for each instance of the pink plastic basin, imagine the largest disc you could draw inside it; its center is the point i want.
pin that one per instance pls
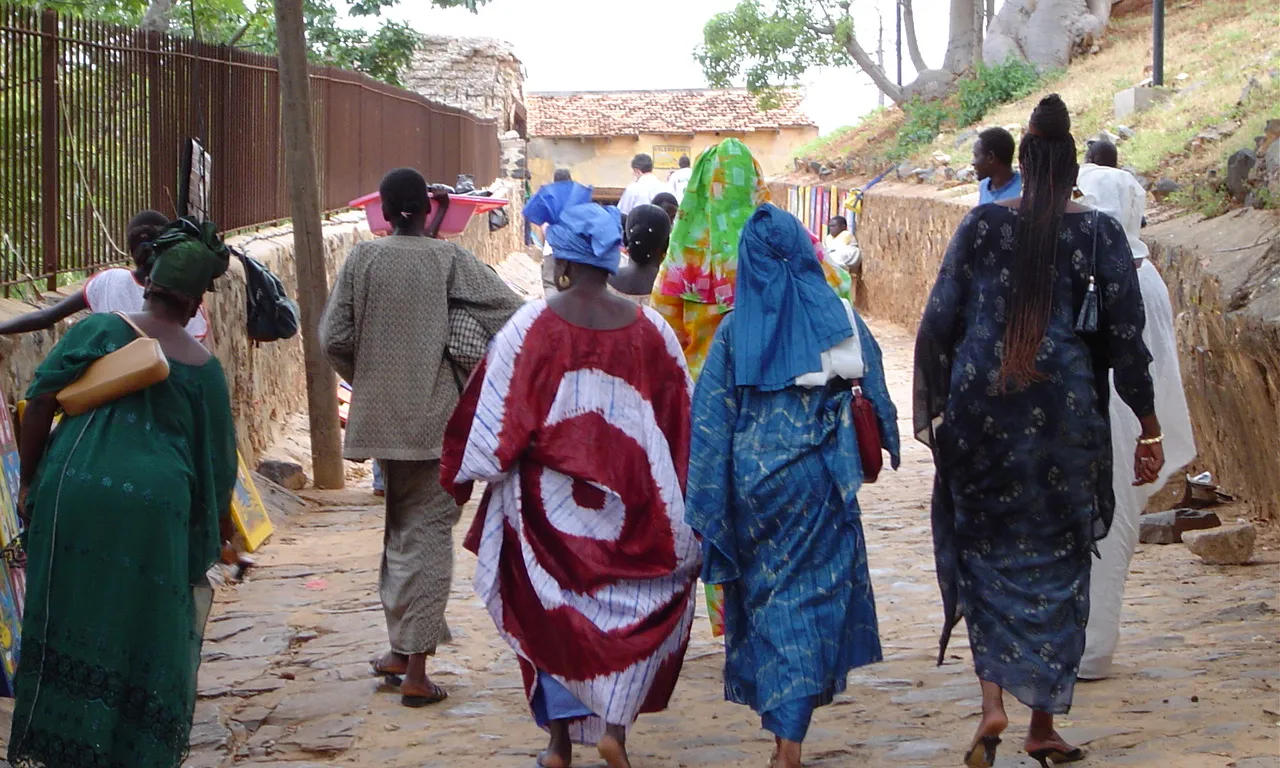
(461, 209)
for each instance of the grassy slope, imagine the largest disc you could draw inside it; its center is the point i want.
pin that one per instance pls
(1217, 44)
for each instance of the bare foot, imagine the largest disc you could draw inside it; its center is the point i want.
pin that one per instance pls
(559, 751)
(549, 759)
(391, 663)
(993, 723)
(1052, 740)
(787, 755)
(613, 748)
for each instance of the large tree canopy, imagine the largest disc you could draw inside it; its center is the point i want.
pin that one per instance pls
(772, 43)
(250, 24)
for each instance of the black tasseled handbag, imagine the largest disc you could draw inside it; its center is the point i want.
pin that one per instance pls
(1087, 320)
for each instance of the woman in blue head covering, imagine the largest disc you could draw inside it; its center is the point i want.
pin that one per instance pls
(773, 480)
(578, 421)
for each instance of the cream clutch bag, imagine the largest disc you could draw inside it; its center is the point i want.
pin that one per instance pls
(133, 367)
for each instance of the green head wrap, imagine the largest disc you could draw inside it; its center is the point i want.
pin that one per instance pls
(188, 257)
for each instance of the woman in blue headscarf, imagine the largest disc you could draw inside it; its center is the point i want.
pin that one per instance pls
(774, 473)
(578, 422)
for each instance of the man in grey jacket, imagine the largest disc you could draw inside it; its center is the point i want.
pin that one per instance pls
(387, 331)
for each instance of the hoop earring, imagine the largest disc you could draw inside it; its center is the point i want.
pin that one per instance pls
(563, 282)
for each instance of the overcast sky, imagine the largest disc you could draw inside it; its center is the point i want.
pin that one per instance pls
(574, 45)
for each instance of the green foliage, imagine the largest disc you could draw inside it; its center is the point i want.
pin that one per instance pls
(1209, 202)
(992, 86)
(923, 124)
(250, 24)
(770, 44)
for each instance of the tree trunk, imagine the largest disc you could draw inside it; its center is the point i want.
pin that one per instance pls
(909, 22)
(156, 19)
(1101, 9)
(868, 65)
(308, 240)
(963, 47)
(880, 54)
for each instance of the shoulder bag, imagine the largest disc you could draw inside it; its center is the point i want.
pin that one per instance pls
(135, 366)
(867, 428)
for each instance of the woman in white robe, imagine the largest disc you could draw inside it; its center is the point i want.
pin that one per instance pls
(1119, 194)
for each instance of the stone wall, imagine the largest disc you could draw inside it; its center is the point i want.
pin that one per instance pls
(267, 381)
(1224, 278)
(478, 74)
(903, 235)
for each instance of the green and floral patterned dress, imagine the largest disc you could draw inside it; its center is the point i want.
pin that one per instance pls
(124, 511)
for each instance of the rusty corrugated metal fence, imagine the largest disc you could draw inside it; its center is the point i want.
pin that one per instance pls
(94, 119)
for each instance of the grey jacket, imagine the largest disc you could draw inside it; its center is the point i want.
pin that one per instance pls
(385, 330)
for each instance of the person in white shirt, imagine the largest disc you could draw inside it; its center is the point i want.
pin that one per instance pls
(679, 180)
(644, 188)
(1118, 194)
(841, 247)
(118, 289)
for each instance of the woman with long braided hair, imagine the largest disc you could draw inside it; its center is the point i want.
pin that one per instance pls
(1036, 304)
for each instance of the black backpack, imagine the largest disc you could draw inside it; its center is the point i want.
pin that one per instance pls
(272, 316)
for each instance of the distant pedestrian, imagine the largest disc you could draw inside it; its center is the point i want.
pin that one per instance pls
(647, 235)
(562, 192)
(1036, 305)
(679, 179)
(667, 202)
(841, 246)
(386, 330)
(1118, 194)
(774, 473)
(578, 422)
(126, 503)
(645, 187)
(993, 162)
(113, 290)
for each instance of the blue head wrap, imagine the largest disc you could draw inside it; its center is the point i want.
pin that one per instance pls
(577, 229)
(786, 314)
(551, 200)
(588, 234)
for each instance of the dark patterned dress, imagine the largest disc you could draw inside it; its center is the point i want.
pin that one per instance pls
(1023, 487)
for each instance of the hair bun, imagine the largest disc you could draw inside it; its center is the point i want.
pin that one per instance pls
(1051, 118)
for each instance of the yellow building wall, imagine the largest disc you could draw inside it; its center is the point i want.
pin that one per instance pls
(606, 162)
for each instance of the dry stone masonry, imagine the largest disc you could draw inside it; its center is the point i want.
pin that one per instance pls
(478, 74)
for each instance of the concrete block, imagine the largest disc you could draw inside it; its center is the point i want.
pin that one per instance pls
(1133, 100)
(1229, 545)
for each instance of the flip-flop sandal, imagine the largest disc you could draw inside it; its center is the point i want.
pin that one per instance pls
(392, 679)
(438, 695)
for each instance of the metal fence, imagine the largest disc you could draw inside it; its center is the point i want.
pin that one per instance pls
(94, 119)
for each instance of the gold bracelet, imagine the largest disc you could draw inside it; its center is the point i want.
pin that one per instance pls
(1151, 440)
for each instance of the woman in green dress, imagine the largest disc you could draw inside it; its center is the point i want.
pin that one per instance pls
(124, 505)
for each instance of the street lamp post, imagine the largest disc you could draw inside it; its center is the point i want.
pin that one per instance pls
(1157, 43)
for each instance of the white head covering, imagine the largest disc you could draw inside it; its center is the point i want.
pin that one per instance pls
(1119, 194)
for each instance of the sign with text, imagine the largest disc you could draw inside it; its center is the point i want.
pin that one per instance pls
(666, 157)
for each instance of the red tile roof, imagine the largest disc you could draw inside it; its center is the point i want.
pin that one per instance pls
(623, 113)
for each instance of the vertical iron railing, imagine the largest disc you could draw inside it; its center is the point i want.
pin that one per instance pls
(94, 119)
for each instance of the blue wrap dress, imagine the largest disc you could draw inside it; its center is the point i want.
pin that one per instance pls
(773, 483)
